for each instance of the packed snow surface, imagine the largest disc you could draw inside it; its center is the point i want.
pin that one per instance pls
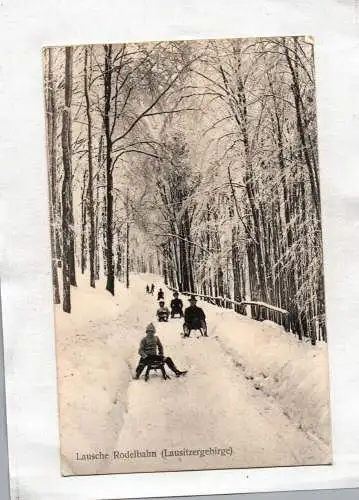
(254, 396)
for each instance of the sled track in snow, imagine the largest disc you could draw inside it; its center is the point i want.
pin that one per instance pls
(256, 383)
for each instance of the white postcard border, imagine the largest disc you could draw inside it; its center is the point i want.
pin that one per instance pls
(25, 242)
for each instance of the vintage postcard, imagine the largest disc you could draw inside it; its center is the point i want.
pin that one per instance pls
(187, 255)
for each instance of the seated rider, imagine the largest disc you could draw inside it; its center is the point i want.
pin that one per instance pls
(162, 312)
(160, 294)
(151, 350)
(176, 306)
(194, 318)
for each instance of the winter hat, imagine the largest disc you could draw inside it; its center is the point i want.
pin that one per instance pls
(161, 302)
(192, 298)
(151, 328)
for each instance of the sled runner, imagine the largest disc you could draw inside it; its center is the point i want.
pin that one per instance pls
(156, 365)
(187, 329)
(174, 313)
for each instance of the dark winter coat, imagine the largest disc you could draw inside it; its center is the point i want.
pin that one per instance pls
(194, 316)
(149, 346)
(176, 304)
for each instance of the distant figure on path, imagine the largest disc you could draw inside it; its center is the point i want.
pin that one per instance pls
(150, 350)
(160, 294)
(152, 288)
(147, 289)
(162, 312)
(176, 306)
(194, 318)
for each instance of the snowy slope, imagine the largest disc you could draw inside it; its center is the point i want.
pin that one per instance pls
(251, 389)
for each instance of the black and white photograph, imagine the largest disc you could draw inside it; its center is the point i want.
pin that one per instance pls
(187, 260)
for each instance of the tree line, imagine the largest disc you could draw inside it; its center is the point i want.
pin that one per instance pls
(195, 160)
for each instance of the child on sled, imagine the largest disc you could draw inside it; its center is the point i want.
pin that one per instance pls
(176, 306)
(151, 350)
(162, 312)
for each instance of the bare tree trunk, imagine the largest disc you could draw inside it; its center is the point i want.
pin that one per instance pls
(183, 263)
(97, 231)
(66, 185)
(118, 246)
(165, 264)
(313, 175)
(127, 241)
(71, 215)
(187, 233)
(127, 255)
(72, 247)
(90, 196)
(51, 136)
(83, 225)
(72, 264)
(110, 285)
(237, 296)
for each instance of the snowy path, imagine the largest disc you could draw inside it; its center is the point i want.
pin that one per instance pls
(251, 389)
(214, 406)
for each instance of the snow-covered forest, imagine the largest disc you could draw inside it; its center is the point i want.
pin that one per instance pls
(194, 160)
(191, 165)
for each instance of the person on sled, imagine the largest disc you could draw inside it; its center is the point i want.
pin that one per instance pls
(162, 312)
(151, 350)
(160, 294)
(194, 318)
(176, 306)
